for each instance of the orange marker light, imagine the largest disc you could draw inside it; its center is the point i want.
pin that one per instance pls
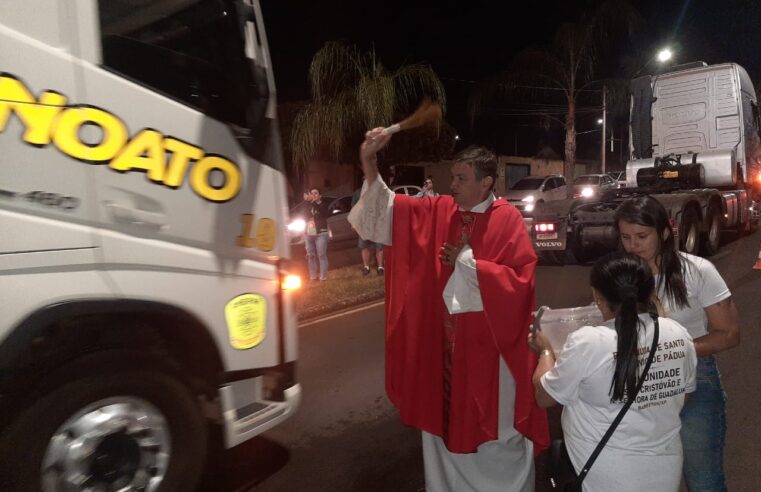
(291, 282)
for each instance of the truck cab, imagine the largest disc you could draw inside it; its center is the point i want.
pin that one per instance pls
(146, 301)
(695, 134)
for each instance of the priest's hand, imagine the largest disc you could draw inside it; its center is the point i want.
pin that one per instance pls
(375, 140)
(448, 254)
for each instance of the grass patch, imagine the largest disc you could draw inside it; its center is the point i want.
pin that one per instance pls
(344, 288)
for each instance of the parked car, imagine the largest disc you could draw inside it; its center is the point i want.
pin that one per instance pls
(529, 191)
(411, 190)
(338, 222)
(591, 185)
(619, 177)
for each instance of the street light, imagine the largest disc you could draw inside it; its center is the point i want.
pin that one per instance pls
(665, 55)
(599, 121)
(662, 56)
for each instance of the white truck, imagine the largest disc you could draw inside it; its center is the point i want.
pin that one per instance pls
(695, 147)
(144, 299)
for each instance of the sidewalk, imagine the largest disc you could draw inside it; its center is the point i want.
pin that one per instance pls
(345, 288)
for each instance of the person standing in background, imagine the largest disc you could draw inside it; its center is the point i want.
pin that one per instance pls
(365, 245)
(317, 235)
(427, 189)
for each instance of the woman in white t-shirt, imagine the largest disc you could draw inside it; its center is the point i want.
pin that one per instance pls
(598, 368)
(690, 291)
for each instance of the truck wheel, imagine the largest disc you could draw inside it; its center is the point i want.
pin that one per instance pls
(689, 232)
(581, 256)
(712, 237)
(123, 430)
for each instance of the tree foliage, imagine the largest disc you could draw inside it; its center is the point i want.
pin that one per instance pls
(353, 92)
(564, 74)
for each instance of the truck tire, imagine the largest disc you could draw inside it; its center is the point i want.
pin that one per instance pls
(580, 255)
(712, 236)
(689, 232)
(107, 431)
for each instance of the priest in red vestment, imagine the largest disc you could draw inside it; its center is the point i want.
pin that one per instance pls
(459, 297)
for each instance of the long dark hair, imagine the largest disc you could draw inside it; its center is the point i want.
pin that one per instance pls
(647, 211)
(626, 282)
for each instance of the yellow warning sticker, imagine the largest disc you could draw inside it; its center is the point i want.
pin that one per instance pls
(246, 317)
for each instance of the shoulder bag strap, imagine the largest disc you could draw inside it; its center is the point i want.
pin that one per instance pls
(623, 411)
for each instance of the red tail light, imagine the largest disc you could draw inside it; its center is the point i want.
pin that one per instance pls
(545, 227)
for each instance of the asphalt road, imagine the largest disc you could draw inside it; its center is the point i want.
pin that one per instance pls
(347, 437)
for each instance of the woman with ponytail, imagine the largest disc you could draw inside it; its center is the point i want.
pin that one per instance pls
(689, 290)
(599, 369)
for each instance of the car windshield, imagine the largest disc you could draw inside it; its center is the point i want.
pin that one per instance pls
(528, 184)
(587, 180)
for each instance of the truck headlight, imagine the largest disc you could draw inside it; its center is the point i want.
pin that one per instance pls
(528, 199)
(297, 225)
(587, 192)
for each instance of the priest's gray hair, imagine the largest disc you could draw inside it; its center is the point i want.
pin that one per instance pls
(483, 161)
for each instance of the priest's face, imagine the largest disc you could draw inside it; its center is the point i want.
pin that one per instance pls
(467, 190)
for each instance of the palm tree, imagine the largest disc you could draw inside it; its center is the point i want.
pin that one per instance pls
(351, 93)
(564, 72)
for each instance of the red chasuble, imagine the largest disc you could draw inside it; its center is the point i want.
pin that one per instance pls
(415, 316)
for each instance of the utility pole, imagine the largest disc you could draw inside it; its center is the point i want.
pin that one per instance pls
(604, 123)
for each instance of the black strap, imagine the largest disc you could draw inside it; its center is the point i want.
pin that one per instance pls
(623, 411)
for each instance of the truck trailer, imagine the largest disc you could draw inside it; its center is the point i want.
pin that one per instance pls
(694, 146)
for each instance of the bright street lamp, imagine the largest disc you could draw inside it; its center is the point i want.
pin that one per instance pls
(665, 55)
(599, 121)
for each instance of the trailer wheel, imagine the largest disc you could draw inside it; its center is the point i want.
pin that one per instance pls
(580, 254)
(689, 232)
(712, 237)
(132, 429)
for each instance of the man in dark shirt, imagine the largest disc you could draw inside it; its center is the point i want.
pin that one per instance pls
(316, 232)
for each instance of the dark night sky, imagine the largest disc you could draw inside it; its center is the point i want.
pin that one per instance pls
(471, 40)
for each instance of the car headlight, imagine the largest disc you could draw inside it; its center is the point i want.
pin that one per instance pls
(297, 225)
(528, 199)
(587, 192)
(529, 207)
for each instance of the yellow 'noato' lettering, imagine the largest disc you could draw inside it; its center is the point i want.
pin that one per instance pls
(199, 178)
(36, 116)
(144, 152)
(182, 154)
(48, 119)
(66, 134)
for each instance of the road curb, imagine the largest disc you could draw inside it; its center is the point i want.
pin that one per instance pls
(340, 312)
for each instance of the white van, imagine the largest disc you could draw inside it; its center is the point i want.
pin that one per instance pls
(143, 296)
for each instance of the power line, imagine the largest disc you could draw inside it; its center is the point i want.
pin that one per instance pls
(522, 86)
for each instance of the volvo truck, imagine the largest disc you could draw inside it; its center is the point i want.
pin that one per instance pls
(694, 146)
(145, 304)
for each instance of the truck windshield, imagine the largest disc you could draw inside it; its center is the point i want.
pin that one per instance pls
(190, 50)
(528, 184)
